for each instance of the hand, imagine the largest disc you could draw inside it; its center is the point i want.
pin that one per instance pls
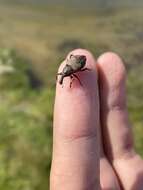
(91, 126)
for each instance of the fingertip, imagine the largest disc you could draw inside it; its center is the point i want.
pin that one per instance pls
(112, 79)
(112, 57)
(111, 65)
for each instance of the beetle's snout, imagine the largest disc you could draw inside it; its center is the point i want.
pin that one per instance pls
(61, 80)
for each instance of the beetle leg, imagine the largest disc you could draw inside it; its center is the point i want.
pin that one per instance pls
(71, 80)
(85, 69)
(58, 74)
(62, 83)
(77, 79)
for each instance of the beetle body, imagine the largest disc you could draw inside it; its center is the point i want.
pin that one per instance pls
(74, 64)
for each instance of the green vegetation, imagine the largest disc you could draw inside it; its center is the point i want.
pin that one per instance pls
(26, 133)
(32, 44)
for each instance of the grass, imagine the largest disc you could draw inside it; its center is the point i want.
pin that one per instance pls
(34, 41)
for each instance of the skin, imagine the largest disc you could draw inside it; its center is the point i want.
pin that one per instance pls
(93, 143)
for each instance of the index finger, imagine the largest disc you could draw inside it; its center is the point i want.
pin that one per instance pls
(75, 162)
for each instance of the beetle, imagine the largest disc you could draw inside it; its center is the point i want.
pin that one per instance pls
(74, 64)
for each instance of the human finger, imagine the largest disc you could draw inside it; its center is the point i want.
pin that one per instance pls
(117, 133)
(75, 163)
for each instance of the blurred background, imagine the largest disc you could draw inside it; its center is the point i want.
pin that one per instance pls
(35, 36)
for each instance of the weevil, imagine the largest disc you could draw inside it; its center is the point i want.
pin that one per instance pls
(75, 63)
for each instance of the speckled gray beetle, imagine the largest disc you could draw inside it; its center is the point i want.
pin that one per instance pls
(74, 64)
